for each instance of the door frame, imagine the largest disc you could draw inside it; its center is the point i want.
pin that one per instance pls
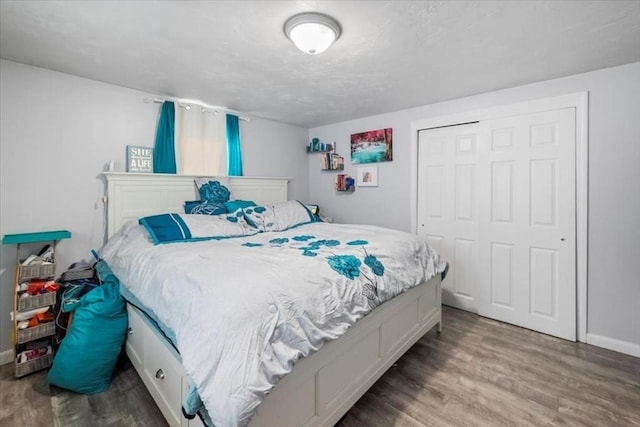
(579, 101)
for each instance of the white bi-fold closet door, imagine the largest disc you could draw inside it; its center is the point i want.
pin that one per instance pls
(497, 199)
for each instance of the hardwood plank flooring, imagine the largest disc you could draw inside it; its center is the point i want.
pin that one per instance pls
(31, 402)
(478, 372)
(481, 372)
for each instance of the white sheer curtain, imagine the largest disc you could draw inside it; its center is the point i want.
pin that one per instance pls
(201, 142)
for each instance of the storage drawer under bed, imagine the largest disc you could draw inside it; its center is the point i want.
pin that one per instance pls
(157, 363)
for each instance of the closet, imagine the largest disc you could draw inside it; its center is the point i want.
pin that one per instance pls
(498, 199)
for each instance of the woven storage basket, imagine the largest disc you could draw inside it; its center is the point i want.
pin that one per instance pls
(36, 301)
(37, 271)
(41, 362)
(40, 331)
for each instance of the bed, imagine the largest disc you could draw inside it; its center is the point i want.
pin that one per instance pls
(320, 388)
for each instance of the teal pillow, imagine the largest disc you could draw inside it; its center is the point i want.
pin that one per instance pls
(89, 351)
(213, 192)
(234, 205)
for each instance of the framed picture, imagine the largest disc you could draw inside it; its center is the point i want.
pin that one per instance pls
(139, 159)
(372, 146)
(367, 176)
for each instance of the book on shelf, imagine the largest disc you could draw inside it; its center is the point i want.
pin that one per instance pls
(344, 182)
(332, 161)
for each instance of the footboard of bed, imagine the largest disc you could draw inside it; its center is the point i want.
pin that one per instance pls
(321, 388)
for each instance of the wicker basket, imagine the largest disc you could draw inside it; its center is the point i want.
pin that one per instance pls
(36, 332)
(36, 301)
(37, 271)
(26, 368)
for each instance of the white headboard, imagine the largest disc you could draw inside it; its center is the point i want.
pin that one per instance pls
(134, 195)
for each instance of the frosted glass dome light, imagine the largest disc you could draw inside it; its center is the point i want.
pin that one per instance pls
(312, 33)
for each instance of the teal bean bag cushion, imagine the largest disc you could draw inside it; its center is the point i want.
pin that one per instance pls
(89, 351)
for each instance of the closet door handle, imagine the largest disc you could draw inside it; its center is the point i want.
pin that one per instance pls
(130, 331)
(159, 374)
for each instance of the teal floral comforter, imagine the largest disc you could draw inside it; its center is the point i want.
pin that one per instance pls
(243, 310)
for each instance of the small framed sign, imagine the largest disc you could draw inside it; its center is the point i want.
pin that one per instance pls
(139, 159)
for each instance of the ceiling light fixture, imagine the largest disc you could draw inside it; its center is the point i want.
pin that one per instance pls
(311, 32)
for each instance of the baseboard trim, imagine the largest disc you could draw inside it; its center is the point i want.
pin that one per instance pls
(6, 357)
(614, 344)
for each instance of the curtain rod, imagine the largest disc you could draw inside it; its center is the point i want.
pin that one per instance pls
(187, 104)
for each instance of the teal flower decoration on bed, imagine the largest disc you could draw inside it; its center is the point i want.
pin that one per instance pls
(351, 267)
(303, 238)
(318, 243)
(375, 265)
(347, 265)
(279, 241)
(362, 265)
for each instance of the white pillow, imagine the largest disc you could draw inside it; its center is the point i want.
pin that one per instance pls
(278, 217)
(169, 228)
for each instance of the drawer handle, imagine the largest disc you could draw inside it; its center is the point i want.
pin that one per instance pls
(130, 331)
(159, 374)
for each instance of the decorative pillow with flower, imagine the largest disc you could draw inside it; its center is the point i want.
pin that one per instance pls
(212, 191)
(213, 195)
(199, 207)
(278, 217)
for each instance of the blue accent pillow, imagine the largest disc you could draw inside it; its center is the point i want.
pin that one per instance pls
(166, 228)
(213, 192)
(204, 208)
(234, 205)
(188, 206)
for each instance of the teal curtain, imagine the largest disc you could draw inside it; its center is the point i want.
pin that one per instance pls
(234, 152)
(164, 153)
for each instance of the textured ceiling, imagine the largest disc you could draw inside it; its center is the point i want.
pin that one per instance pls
(391, 55)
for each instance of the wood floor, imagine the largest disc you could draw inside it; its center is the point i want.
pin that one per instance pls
(478, 372)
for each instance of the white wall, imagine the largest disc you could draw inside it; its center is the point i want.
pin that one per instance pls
(274, 149)
(56, 133)
(614, 186)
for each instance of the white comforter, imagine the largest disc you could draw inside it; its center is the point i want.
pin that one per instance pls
(243, 310)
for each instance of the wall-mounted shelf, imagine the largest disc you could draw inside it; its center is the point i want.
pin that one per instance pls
(332, 162)
(327, 150)
(345, 183)
(315, 146)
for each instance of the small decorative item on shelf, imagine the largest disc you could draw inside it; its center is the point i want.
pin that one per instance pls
(345, 183)
(315, 146)
(332, 162)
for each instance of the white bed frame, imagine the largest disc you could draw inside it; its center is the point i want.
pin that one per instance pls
(322, 387)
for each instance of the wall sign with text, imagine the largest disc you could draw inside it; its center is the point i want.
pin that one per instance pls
(139, 159)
